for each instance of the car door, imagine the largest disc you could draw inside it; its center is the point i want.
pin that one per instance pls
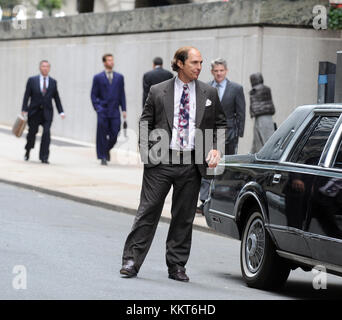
(324, 222)
(290, 192)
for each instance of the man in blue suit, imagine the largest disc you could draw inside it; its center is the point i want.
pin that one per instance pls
(107, 95)
(37, 105)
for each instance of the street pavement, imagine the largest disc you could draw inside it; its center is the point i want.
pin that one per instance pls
(75, 172)
(71, 250)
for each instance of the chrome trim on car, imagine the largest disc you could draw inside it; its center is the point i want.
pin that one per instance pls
(309, 261)
(334, 170)
(283, 228)
(304, 233)
(296, 136)
(302, 165)
(334, 144)
(289, 167)
(222, 214)
(337, 110)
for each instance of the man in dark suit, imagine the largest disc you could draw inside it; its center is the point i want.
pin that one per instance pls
(155, 76)
(37, 105)
(107, 96)
(234, 106)
(233, 103)
(178, 113)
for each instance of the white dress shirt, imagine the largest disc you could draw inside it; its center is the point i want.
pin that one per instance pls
(41, 78)
(192, 119)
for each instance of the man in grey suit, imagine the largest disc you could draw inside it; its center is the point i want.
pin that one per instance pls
(234, 106)
(233, 103)
(176, 116)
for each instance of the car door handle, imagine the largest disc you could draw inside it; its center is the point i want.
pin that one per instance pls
(276, 178)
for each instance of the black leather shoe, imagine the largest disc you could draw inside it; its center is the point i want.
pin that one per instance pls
(103, 162)
(27, 155)
(45, 162)
(128, 270)
(179, 275)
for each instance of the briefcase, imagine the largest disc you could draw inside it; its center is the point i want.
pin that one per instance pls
(19, 125)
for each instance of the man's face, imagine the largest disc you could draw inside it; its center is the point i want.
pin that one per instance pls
(219, 72)
(109, 63)
(192, 66)
(44, 68)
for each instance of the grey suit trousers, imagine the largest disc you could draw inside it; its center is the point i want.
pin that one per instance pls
(157, 182)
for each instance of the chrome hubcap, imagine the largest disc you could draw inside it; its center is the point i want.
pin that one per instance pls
(255, 246)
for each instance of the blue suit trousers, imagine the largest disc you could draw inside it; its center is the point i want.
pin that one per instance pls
(107, 134)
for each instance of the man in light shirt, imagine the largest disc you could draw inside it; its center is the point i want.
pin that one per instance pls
(182, 109)
(233, 103)
(37, 106)
(234, 106)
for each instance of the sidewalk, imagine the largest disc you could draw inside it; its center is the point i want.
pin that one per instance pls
(75, 173)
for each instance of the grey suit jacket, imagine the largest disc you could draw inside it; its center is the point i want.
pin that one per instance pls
(158, 113)
(234, 106)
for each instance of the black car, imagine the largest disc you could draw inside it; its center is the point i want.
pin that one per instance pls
(285, 202)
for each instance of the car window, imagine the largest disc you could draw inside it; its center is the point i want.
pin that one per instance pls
(275, 145)
(310, 146)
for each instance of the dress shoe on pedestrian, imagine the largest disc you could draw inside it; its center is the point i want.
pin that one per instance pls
(179, 275)
(128, 270)
(27, 155)
(103, 162)
(45, 162)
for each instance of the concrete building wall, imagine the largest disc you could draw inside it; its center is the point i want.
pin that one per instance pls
(287, 57)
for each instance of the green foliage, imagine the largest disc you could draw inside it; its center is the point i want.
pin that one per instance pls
(49, 5)
(335, 18)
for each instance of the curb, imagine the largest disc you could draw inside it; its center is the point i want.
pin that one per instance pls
(95, 203)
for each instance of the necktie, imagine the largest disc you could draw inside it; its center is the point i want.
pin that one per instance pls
(183, 118)
(44, 86)
(110, 77)
(218, 88)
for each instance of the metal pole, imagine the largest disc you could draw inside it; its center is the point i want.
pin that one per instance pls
(326, 82)
(338, 81)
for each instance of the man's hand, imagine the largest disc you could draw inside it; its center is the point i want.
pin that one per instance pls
(213, 158)
(124, 114)
(62, 115)
(24, 114)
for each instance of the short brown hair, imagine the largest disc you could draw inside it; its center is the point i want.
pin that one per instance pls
(181, 54)
(104, 57)
(43, 61)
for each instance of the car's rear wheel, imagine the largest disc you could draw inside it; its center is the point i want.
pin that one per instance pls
(261, 267)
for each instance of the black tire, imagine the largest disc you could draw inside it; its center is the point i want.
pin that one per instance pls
(261, 266)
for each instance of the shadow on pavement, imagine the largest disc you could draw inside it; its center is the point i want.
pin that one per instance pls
(304, 290)
(295, 289)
